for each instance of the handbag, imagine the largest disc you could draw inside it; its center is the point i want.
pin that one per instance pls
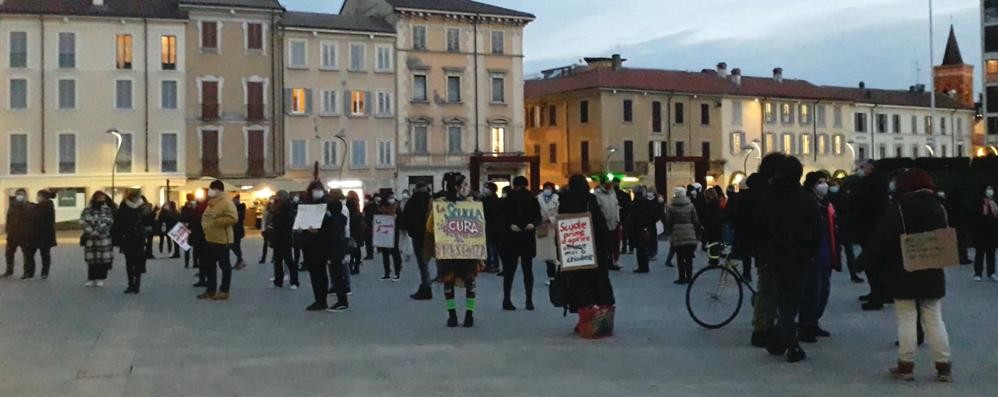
(933, 249)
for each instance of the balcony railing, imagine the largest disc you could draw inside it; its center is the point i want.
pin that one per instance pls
(434, 159)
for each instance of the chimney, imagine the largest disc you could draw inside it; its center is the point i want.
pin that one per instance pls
(736, 76)
(778, 75)
(617, 61)
(862, 84)
(722, 70)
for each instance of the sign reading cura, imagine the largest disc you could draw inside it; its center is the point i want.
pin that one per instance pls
(459, 230)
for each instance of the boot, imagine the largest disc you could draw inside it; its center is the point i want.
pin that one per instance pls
(452, 318)
(905, 370)
(508, 305)
(760, 338)
(469, 319)
(136, 285)
(944, 372)
(530, 303)
(423, 294)
(796, 354)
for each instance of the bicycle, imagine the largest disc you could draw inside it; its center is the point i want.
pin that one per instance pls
(711, 287)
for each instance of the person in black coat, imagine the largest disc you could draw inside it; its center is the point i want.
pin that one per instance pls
(413, 220)
(20, 234)
(149, 227)
(587, 288)
(870, 200)
(918, 292)
(645, 212)
(622, 232)
(129, 234)
(45, 227)
(839, 192)
(358, 229)
(494, 227)
(279, 234)
(328, 243)
(238, 233)
(986, 235)
(523, 215)
(370, 209)
(168, 218)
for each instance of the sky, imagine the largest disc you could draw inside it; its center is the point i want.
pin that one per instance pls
(884, 43)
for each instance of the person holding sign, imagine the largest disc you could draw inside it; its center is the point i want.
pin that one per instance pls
(322, 244)
(918, 211)
(448, 222)
(385, 237)
(986, 236)
(523, 215)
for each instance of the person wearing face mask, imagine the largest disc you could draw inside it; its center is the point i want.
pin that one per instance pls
(839, 197)
(869, 203)
(336, 257)
(218, 218)
(711, 216)
(609, 204)
(357, 230)
(128, 234)
(45, 227)
(817, 284)
(370, 210)
(297, 237)
(98, 251)
(523, 215)
(645, 213)
(238, 233)
(279, 231)
(20, 216)
(320, 246)
(546, 245)
(449, 271)
(391, 255)
(414, 216)
(494, 221)
(986, 236)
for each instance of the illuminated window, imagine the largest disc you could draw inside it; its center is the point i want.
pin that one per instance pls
(805, 144)
(837, 145)
(298, 101)
(788, 144)
(992, 69)
(498, 139)
(737, 142)
(805, 114)
(823, 144)
(124, 45)
(358, 103)
(770, 117)
(771, 143)
(168, 52)
(787, 113)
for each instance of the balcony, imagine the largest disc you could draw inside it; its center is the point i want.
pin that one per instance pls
(434, 159)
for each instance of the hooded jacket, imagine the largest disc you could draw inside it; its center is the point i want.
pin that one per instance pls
(682, 220)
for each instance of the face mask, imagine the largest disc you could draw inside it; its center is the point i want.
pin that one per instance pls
(821, 190)
(833, 189)
(296, 199)
(377, 200)
(137, 201)
(318, 194)
(650, 196)
(19, 197)
(892, 187)
(487, 191)
(212, 193)
(405, 196)
(391, 200)
(548, 192)
(941, 194)
(990, 193)
(693, 194)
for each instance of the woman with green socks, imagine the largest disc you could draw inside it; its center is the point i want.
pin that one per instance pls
(453, 271)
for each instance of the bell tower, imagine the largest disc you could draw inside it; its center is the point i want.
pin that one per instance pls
(954, 77)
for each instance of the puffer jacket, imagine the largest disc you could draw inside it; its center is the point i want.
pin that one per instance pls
(682, 220)
(218, 219)
(610, 206)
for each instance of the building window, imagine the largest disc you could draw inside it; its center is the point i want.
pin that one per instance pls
(959, 127)
(297, 57)
(453, 89)
(329, 153)
(18, 154)
(680, 116)
(823, 144)
(942, 125)
(254, 36)
(168, 52)
(498, 139)
(770, 113)
(628, 156)
(358, 103)
(453, 40)
(805, 145)
(210, 152)
(209, 100)
(680, 149)
(329, 55)
(896, 123)
(67, 50)
(553, 153)
(123, 94)
(124, 157)
(929, 130)
(736, 113)
(837, 116)
(383, 61)
(788, 144)
(123, 43)
(209, 35)
(168, 152)
(837, 145)
(705, 149)
(860, 125)
(805, 114)
(358, 154)
(454, 140)
(819, 115)
(552, 115)
(959, 150)
(419, 37)
(18, 94)
(914, 125)
(861, 152)
(385, 153)
(584, 112)
(357, 55)
(419, 88)
(537, 150)
(18, 49)
(584, 156)
(329, 102)
(420, 139)
(881, 123)
(67, 94)
(992, 70)
(498, 88)
(737, 142)
(787, 113)
(498, 42)
(536, 116)
(299, 153)
(704, 114)
(656, 116)
(770, 143)
(915, 152)
(384, 103)
(298, 100)
(67, 153)
(899, 151)
(628, 111)
(254, 101)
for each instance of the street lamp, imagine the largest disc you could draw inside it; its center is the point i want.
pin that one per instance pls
(606, 163)
(852, 149)
(117, 149)
(932, 152)
(754, 147)
(994, 149)
(342, 136)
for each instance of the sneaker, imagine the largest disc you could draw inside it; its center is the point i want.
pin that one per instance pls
(221, 296)
(90, 284)
(316, 307)
(398, 278)
(294, 287)
(796, 355)
(993, 277)
(338, 307)
(206, 296)
(100, 283)
(271, 279)
(978, 278)
(386, 278)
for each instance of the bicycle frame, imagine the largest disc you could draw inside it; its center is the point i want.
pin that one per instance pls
(725, 260)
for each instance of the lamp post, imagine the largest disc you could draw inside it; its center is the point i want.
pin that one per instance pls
(606, 163)
(117, 149)
(342, 136)
(932, 152)
(754, 147)
(852, 149)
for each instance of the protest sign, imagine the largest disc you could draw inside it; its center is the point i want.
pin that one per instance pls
(383, 231)
(459, 230)
(310, 216)
(576, 247)
(180, 234)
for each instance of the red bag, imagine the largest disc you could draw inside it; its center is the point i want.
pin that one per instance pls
(596, 321)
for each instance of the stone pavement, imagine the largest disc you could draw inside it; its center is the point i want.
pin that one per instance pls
(60, 339)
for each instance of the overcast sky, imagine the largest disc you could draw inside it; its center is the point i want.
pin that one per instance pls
(841, 42)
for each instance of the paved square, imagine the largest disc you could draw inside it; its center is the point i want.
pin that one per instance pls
(58, 338)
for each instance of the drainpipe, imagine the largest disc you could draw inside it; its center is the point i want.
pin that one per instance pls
(478, 131)
(568, 140)
(762, 125)
(873, 132)
(275, 124)
(814, 131)
(145, 77)
(952, 125)
(41, 21)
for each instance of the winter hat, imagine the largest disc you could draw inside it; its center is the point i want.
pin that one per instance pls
(914, 179)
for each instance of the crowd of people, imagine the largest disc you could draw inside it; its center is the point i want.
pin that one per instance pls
(794, 235)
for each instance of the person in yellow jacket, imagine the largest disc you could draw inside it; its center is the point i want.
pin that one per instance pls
(217, 222)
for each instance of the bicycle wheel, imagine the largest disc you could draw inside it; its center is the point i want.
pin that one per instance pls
(714, 297)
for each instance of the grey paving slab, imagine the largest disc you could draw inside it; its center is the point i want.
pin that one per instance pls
(60, 339)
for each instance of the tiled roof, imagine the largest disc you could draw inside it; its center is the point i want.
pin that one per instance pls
(466, 6)
(266, 4)
(165, 9)
(336, 22)
(709, 83)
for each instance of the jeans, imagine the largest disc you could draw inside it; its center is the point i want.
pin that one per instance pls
(387, 256)
(237, 248)
(29, 260)
(217, 255)
(816, 292)
(765, 299)
(424, 268)
(932, 323)
(790, 287)
(671, 254)
(282, 259)
(492, 256)
(980, 254)
(509, 273)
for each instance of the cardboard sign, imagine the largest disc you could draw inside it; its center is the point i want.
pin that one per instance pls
(310, 216)
(383, 233)
(459, 230)
(180, 234)
(936, 249)
(576, 246)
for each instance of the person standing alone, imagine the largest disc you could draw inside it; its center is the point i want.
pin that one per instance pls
(20, 216)
(523, 215)
(217, 221)
(129, 234)
(98, 251)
